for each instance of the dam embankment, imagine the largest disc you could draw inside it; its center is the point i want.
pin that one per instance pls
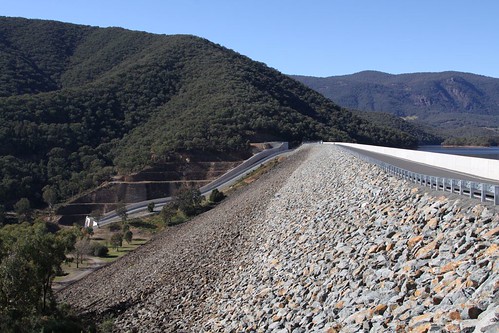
(325, 242)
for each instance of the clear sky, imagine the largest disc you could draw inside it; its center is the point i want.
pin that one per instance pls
(314, 37)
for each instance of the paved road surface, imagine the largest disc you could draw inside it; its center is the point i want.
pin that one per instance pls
(422, 168)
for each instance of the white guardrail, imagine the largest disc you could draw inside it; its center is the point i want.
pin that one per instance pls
(471, 165)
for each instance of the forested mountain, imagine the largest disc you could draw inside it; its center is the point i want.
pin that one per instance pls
(424, 134)
(463, 102)
(79, 103)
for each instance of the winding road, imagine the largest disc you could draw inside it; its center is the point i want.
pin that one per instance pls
(140, 208)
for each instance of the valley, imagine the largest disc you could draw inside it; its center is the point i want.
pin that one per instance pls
(93, 120)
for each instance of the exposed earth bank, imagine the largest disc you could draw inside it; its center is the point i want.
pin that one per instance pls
(325, 242)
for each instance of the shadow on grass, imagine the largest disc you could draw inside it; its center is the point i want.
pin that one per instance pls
(142, 224)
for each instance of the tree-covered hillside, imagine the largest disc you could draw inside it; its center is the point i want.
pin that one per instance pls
(424, 134)
(456, 103)
(80, 103)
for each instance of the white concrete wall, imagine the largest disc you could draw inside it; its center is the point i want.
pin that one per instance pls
(480, 167)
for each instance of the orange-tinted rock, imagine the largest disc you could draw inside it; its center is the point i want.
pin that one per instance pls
(449, 266)
(432, 223)
(376, 248)
(492, 250)
(427, 250)
(452, 328)
(379, 309)
(414, 240)
(427, 317)
(454, 315)
(491, 233)
(422, 328)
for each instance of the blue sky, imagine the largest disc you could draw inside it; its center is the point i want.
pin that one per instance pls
(319, 38)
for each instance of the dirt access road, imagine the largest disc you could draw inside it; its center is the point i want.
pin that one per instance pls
(76, 274)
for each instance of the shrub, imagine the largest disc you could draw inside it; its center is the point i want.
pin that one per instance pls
(216, 196)
(116, 240)
(168, 212)
(100, 250)
(128, 236)
(106, 326)
(188, 200)
(114, 227)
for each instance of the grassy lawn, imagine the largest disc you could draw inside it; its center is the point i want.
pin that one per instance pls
(114, 254)
(71, 272)
(70, 269)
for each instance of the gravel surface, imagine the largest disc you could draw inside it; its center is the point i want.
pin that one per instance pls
(324, 242)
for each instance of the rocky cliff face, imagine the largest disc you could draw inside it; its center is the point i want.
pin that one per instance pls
(323, 243)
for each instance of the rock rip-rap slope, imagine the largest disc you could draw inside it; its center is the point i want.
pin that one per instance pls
(332, 245)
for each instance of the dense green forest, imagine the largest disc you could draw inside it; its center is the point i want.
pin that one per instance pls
(80, 103)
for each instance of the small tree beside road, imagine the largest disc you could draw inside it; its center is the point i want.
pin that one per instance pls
(216, 196)
(168, 212)
(189, 200)
(116, 240)
(121, 211)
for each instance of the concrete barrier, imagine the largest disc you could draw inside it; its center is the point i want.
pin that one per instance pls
(480, 167)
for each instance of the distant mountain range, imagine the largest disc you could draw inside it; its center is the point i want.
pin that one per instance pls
(80, 103)
(454, 102)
